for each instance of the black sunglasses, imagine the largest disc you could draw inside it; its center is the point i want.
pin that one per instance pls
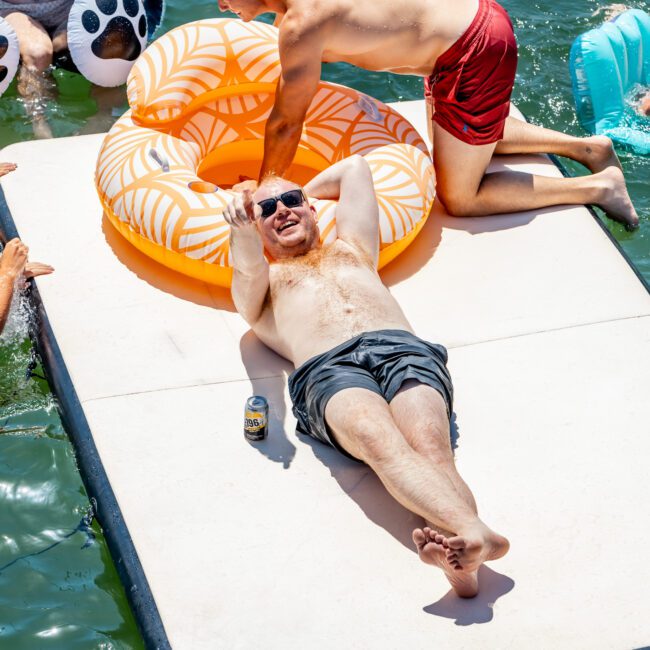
(290, 199)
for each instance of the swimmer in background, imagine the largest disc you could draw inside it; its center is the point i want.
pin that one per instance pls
(41, 28)
(643, 104)
(15, 268)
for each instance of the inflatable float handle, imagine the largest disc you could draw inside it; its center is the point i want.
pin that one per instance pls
(159, 159)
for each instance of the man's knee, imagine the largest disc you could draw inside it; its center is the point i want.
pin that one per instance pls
(435, 445)
(374, 440)
(60, 41)
(458, 204)
(38, 57)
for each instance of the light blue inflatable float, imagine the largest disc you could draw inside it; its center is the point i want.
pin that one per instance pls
(610, 68)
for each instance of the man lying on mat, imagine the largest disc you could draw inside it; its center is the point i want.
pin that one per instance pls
(364, 383)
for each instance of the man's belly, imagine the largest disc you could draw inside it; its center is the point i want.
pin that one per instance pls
(331, 339)
(302, 329)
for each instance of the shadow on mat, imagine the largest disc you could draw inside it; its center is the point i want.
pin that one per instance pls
(472, 611)
(163, 278)
(268, 372)
(422, 249)
(363, 486)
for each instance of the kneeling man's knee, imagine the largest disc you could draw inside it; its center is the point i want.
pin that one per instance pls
(456, 203)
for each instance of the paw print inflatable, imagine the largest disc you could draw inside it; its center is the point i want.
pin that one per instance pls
(9, 54)
(105, 38)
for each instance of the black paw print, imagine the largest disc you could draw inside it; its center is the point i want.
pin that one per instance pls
(4, 46)
(117, 34)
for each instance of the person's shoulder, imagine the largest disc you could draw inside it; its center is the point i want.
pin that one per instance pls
(303, 18)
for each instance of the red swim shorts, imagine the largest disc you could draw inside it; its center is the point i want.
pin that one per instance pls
(471, 83)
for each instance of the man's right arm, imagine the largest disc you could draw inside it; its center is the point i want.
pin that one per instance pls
(250, 279)
(301, 50)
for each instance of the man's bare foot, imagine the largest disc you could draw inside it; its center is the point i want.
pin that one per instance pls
(599, 154)
(468, 551)
(615, 199)
(464, 583)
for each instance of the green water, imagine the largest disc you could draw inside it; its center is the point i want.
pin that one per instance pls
(58, 585)
(58, 588)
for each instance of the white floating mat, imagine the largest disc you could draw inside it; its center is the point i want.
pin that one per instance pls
(287, 544)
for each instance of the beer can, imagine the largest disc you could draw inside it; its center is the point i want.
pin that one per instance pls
(256, 418)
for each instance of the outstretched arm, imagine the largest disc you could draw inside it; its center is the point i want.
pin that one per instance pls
(357, 213)
(14, 268)
(5, 168)
(300, 57)
(250, 280)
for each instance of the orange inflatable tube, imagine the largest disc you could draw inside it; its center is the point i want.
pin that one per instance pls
(200, 96)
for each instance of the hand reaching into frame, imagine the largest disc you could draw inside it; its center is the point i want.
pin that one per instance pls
(5, 168)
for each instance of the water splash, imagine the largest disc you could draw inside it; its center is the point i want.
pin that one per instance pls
(20, 393)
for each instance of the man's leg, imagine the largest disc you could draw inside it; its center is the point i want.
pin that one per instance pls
(60, 38)
(421, 415)
(595, 152)
(467, 191)
(36, 56)
(420, 476)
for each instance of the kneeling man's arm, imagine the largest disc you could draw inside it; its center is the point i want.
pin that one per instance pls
(357, 213)
(301, 49)
(250, 279)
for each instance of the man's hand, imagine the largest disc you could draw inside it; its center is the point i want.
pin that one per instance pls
(14, 259)
(242, 212)
(245, 183)
(5, 168)
(34, 269)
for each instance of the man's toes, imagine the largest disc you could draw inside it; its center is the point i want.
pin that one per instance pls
(457, 543)
(419, 538)
(439, 539)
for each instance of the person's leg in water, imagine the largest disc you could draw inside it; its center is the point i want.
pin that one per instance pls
(468, 191)
(34, 85)
(60, 39)
(416, 466)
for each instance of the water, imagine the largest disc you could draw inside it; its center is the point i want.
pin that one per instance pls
(58, 588)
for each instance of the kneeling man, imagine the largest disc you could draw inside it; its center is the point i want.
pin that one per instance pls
(364, 383)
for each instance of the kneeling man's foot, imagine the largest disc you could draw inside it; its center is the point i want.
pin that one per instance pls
(467, 552)
(616, 201)
(464, 583)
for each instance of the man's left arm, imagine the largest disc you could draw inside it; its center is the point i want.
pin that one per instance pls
(357, 214)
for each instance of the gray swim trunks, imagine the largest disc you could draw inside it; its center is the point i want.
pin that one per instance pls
(378, 361)
(52, 14)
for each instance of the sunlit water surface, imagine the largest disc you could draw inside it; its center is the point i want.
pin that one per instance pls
(58, 588)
